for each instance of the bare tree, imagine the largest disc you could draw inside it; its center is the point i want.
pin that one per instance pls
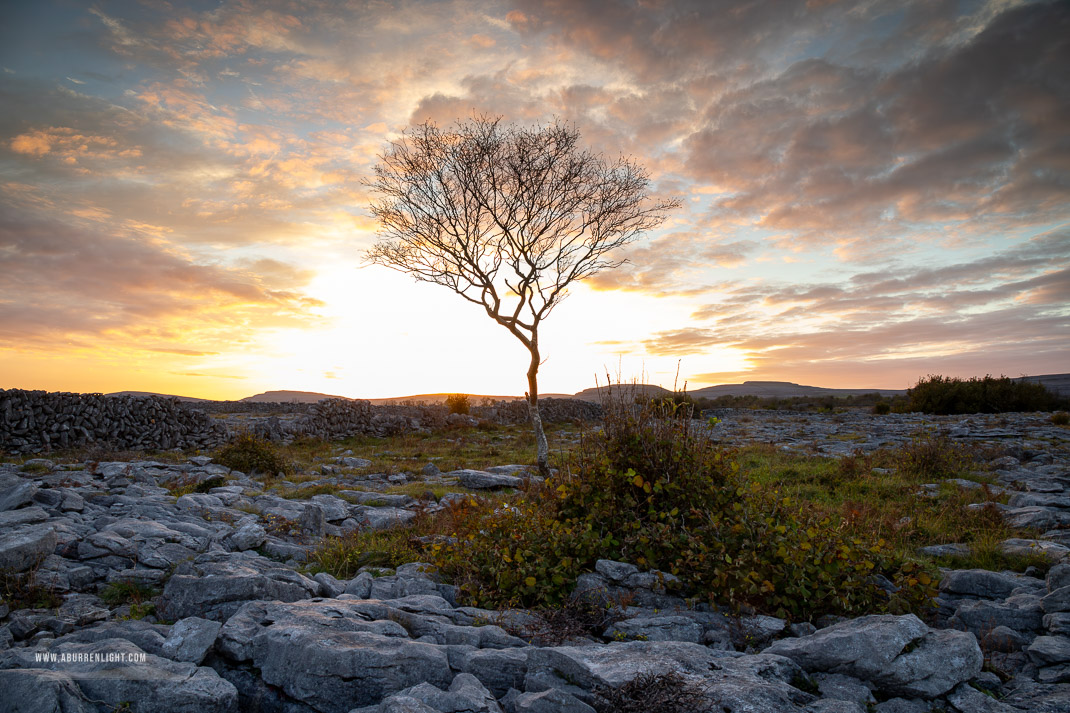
(507, 217)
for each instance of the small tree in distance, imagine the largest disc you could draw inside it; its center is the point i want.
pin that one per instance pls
(507, 217)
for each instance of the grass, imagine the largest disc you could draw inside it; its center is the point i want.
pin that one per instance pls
(449, 449)
(886, 502)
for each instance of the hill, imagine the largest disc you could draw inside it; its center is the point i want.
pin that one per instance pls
(153, 393)
(784, 390)
(283, 397)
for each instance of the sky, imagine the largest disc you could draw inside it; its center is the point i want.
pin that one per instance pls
(871, 191)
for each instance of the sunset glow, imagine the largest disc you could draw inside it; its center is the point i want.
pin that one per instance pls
(872, 192)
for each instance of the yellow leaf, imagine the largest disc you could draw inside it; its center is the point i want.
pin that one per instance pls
(637, 481)
(530, 581)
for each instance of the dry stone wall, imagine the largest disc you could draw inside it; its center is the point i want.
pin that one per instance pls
(33, 421)
(36, 421)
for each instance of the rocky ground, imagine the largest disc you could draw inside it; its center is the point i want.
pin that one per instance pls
(239, 626)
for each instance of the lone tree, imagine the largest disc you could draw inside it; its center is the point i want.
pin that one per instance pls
(507, 217)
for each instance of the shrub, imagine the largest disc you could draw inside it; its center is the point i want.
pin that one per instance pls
(930, 455)
(650, 491)
(458, 403)
(19, 590)
(652, 693)
(882, 408)
(946, 395)
(1060, 418)
(252, 454)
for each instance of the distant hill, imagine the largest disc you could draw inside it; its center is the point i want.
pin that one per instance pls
(1059, 383)
(152, 393)
(285, 397)
(474, 399)
(596, 393)
(761, 389)
(784, 390)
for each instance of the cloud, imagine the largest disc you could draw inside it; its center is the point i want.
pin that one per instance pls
(1008, 306)
(97, 287)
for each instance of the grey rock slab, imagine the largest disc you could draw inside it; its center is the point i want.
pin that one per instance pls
(984, 584)
(967, 699)
(844, 688)
(484, 480)
(247, 537)
(981, 616)
(23, 546)
(334, 508)
(1058, 623)
(329, 586)
(751, 683)
(615, 571)
(17, 496)
(900, 655)
(41, 691)
(549, 701)
(952, 549)
(215, 586)
(834, 706)
(146, 636)
(659, 628)
(1045, 548)
(360, 586)
(1037, 517)
(497, 669)
(328, 655)
(903, 705)
(1058, 576)
(191, 639)
(150, 682)
(1049, 650)
(23, 516)
(1027, 695)
(383, 518)
(1057, 601)
(465, 695)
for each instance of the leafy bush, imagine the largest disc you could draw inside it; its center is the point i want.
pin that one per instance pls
(252, 454)
(946, 395)
(650, 491)
(1060, 418)
(882, 408)
(458, 403)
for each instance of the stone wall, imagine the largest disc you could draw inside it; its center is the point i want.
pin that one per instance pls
(33, 421)
(551, 410)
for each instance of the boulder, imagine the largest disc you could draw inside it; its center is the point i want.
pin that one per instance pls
(484, 480)
(215, 585)
(549, 701)
(749, 683)
(191, 639)
(656, 628)
(17, 495)
(466, 694)
(331, 655)
(247, 537)
(115, 672)
(35, 690)
(983, 584)
(24, 546)
(899, 655)
(1049, 650)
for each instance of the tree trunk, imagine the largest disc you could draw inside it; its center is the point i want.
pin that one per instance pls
(533, 410)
